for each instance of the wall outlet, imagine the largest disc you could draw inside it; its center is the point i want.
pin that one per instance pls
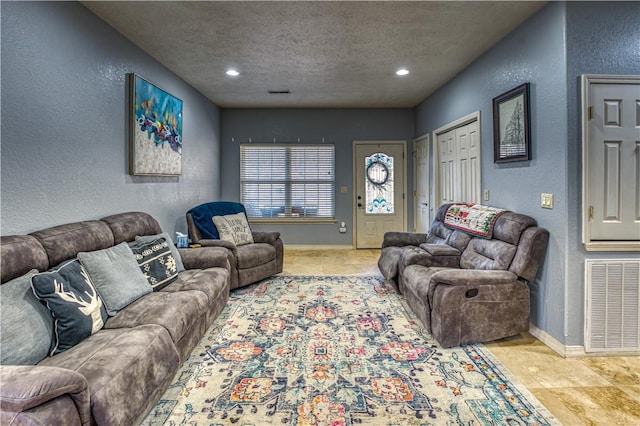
(343, 228)
(344, 189)
(546, 201)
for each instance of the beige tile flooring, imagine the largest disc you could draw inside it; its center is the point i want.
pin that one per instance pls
(578, 391)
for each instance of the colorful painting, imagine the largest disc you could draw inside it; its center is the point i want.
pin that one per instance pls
(156, 130)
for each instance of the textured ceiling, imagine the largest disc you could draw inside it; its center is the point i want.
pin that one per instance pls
(326, 53)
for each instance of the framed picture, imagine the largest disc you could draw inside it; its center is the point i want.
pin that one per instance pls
(155, 130)
(511, 127)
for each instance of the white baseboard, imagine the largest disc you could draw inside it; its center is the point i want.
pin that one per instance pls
(575, 351)
(555, 345)
(317, 247)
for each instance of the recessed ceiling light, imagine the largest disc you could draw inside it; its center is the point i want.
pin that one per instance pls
(232, 73)
(402, 71)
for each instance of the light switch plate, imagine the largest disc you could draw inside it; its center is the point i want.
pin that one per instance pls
(546, 201)
(344, 189)
(486, 195)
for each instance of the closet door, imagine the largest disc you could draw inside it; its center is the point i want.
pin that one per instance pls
(459, 163)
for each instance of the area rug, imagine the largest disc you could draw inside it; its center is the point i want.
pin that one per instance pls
(333, 351)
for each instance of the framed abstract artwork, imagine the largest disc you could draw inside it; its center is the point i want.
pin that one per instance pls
(155, 130)
(511, 126)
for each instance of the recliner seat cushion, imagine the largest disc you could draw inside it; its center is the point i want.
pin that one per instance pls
(252, 255)
(176, 312)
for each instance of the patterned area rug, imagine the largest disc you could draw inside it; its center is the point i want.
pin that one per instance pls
(333, 351)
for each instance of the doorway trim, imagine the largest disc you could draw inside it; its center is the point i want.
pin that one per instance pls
(353, 181)
(427, 138)
(586, 81)
(462, 121)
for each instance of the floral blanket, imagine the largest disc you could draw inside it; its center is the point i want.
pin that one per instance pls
(474, 219)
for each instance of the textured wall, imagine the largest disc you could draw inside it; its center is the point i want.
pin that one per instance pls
(64, 132)
(602, 38)
(338, 126)
(534, 53)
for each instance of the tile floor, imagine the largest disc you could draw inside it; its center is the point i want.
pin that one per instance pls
(578, 391)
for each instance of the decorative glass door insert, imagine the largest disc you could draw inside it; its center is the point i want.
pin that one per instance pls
(379, 184)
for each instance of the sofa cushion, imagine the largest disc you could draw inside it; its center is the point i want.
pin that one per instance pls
(127, 369)
(126, 226)
(174, 250)
(20, 254)
(252, 255)
(510, 226)
(116, 275)
(156, 262)
(69, 294)
(176, 312)
(234, 228)
(487, 254)
(26, 326)
(211, 281)
(64, 242)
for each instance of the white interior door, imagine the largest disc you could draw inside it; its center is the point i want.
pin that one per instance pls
(422, 192)
(459, 162)
(380, 187)
(614, 161)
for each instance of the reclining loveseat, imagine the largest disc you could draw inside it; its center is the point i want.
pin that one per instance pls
(467, 278)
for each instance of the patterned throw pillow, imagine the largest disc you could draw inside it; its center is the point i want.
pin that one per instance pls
(234, 228)
(156, 262)
(174, 250)
(75, 305)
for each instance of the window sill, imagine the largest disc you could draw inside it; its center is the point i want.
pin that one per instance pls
(294, 220)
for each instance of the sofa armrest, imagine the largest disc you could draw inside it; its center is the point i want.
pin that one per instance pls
(25, 387)
(473, 277)
(400, 239)
(269, 237)
(205, 257)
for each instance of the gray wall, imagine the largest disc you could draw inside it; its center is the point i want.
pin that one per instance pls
(602, 38)
(551, 50)
(64, 132)
(338, 126)
(535, 53)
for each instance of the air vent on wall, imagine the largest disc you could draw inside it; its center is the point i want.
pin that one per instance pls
(279, 92)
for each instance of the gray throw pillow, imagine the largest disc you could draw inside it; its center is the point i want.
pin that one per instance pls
(116, 275)
(26, 326)
(174, 250)
(78, 311)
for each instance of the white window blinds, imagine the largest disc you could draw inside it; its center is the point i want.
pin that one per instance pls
(288, 180)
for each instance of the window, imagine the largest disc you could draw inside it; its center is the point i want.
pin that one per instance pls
(288, 181)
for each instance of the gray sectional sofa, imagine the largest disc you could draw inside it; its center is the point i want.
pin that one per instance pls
(117, 374)
(462, 287)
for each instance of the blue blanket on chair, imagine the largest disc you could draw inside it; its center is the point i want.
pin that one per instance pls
(203, 216)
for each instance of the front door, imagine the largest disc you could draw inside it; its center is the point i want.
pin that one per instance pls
(380, 187)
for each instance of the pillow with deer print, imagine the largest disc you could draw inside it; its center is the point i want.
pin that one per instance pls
(73, 301)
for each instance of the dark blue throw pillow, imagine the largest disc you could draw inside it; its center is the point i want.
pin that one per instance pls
(156, 262)
(73, 301)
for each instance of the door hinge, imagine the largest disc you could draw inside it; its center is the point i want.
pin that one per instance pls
(590, 212)
(591, 112)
